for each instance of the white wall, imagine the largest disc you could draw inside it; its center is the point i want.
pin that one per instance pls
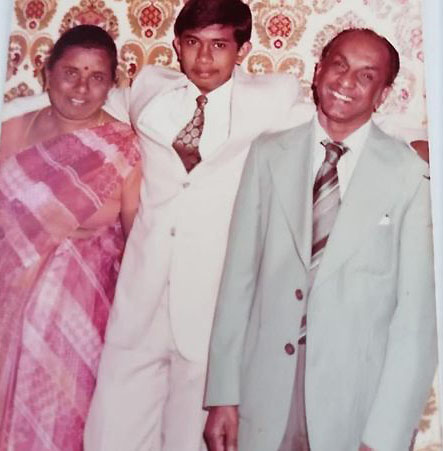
(433, 47)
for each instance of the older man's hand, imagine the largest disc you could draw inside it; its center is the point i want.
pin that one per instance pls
(221, 428)
(364, 447)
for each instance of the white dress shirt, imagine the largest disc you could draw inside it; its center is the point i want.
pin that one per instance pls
(346, 165)
(170, 111)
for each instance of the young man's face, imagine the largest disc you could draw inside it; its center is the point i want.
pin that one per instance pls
(208, 55)
(351, 81)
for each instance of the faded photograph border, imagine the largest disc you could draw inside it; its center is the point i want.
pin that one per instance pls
(433, 63)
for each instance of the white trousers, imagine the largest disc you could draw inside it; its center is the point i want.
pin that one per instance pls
(149, 398)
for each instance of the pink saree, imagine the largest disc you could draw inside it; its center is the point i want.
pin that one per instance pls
(56, 291)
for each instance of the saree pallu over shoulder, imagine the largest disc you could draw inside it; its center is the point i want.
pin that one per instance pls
(67, 178)
(55, 291)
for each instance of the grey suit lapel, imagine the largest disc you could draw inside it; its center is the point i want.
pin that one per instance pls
(368, 198)
(292, 176)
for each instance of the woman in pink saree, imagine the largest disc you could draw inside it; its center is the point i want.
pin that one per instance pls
(69, 185)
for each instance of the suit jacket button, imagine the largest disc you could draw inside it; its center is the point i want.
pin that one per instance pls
(289, 348)
(299, 294)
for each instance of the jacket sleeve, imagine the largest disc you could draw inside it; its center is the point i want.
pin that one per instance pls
(117, 103)
(286, 99)
(23, 105)
(236, 290)
(412, 345)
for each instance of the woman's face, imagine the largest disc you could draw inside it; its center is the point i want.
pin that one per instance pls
(79, 82)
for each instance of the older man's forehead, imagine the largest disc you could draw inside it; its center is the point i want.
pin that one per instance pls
(349, 37)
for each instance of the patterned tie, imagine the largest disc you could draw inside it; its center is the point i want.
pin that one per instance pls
(187, 141)
(326, 200)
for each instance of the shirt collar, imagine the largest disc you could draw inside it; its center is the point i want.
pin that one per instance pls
(355, 141)
(218, 95)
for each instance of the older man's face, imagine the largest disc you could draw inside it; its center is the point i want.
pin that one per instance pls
(351, 81)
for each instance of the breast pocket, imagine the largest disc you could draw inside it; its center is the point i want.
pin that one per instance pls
(376, 253)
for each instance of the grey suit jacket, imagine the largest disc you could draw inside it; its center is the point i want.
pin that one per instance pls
(371, 340)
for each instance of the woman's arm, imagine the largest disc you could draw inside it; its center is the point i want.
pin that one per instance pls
(130, 198)
(11, 136)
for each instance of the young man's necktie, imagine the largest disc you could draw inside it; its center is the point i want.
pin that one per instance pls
(187, 141)
(326, 202)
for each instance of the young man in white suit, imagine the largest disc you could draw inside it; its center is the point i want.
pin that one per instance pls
(151, 379)
(369, 347)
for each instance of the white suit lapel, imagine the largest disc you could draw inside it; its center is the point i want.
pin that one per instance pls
(369, 196)
(239, 117)
(291, 170)
(143, 98)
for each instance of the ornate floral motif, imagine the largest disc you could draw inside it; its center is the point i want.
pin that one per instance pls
(280, 26)
(161, 55)
(381, 8)
(350, 19)
(292, 64)
(132, 58)
(18, 47)
(39, 53)
(263, 63)
(22, 90)
(408, 33)
(34, 15)
(323, 6)
(402, 93)
(151, 19)
(260, 63)
(93, 12)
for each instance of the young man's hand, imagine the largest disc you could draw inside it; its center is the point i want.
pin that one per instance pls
(221, 428)
(364, 447)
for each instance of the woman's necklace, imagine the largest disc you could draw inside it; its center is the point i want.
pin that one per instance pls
(67, 125)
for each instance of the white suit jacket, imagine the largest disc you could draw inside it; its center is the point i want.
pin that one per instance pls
(179, 236)
(371, 340)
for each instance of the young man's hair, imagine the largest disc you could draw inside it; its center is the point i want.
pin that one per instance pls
(394, 59)
(197, 14)
(88, 37)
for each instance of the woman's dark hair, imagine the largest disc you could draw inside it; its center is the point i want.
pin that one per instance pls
(198, 14)
(88, 37)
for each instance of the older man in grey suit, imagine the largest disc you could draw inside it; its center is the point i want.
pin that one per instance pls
(324, 335)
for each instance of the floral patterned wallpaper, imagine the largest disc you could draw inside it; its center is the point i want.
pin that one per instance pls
(288, 36)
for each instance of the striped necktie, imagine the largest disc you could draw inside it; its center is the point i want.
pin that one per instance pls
(187, 141)
(326, 202)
